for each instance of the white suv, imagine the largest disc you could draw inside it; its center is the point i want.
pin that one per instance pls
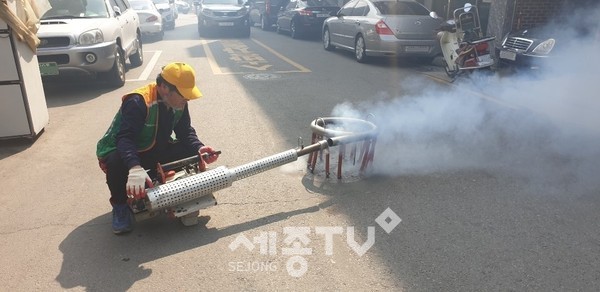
(90, 36)
(168, 10)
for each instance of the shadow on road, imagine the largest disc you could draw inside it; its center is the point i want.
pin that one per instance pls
(97, 260)
(73, 90)
(14, 146)
(69, 89)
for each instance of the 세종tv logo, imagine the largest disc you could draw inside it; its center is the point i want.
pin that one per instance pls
(297, 241)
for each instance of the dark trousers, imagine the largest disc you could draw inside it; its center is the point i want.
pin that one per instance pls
(117, 171)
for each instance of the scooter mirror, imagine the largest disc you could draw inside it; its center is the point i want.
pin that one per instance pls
(467, 7)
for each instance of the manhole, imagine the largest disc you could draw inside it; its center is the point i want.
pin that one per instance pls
(261, 76)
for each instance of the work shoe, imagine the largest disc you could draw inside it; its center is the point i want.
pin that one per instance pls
(121, 219)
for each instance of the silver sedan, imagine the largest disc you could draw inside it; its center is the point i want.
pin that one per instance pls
(383, 28)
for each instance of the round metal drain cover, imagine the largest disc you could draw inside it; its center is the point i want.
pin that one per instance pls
(261, 76)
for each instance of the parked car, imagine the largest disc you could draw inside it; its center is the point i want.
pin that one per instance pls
(168, 10)
(383, 28)
(555, 43)
(536, 47)
(526, 48)
(265, 12)
(220, 15)
(92, 37)
(150, 19)
(300, 17)
(182, 6)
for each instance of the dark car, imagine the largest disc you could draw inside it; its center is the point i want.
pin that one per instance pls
(535, 48)
(265, 12)
(221, 15)
(300, 17)
(527, 48)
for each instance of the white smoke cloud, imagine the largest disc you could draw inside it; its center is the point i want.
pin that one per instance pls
(543, 126)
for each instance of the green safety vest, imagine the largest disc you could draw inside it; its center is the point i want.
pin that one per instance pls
(147, 137)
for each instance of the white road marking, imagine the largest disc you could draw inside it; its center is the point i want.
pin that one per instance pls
(149, 67)
(211, 58)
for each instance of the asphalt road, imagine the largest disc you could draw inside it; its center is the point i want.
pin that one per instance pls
(484, 190)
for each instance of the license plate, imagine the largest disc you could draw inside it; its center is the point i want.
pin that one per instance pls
(322, 15)
(484, 58)
(225, 23)
(47, 69)
(508, 55)
(419, 49)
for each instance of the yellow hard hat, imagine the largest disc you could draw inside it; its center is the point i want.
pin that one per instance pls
(183, 77)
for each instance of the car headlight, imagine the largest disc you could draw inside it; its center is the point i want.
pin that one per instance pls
(545, 47)
(91, 37)
(207, 12)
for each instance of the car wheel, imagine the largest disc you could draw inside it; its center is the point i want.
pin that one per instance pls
(294, 33)
(264, 23)
(327, 40)
(116, 76)
(360, 49)
(137, 59)
(161, 35)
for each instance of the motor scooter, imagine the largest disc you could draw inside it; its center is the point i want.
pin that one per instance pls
(462, 42)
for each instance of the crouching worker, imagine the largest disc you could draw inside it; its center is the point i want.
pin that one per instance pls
(141, 136)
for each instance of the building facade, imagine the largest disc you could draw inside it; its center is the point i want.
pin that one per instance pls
(499, 17)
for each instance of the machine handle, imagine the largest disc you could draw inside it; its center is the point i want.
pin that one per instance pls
(186, 161)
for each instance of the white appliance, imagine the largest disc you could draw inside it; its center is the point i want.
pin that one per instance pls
(23, 109)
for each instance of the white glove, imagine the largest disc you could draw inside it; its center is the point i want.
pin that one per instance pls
(136, 182)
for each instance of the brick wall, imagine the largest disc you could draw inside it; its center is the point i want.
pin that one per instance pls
(529, 13)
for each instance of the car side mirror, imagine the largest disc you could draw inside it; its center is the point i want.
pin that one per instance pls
(117, 10)
(433, 14)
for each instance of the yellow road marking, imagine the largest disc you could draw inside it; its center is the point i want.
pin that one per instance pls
(282, 57)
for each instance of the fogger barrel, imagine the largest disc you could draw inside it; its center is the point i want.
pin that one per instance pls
(196, 186)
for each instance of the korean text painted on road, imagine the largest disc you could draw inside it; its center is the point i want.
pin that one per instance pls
(245, 59)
